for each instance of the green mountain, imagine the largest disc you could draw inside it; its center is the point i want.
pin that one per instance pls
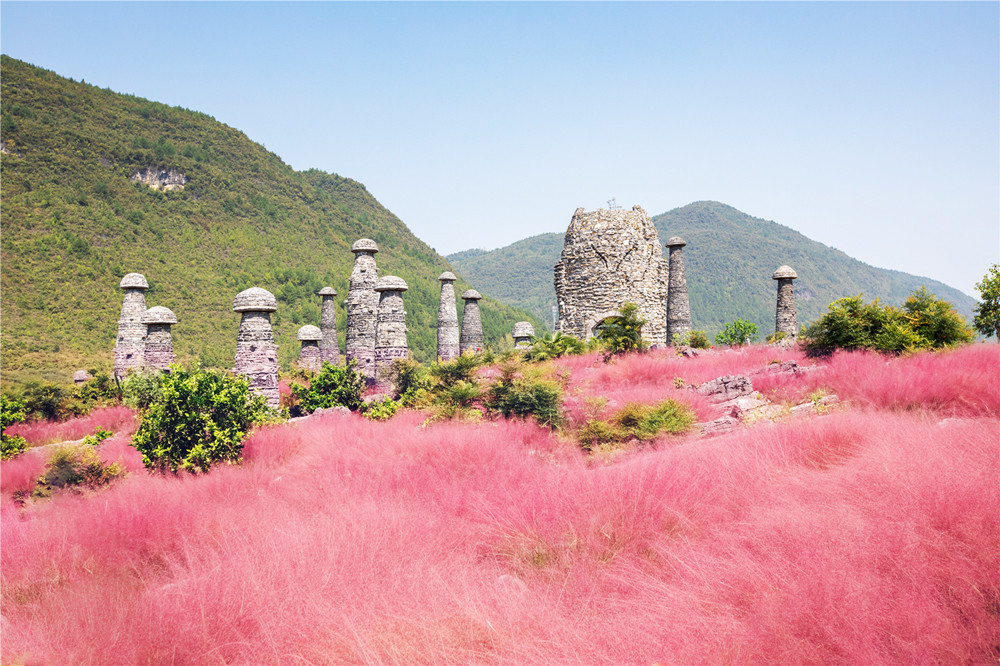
(728, 261)
(73, 222)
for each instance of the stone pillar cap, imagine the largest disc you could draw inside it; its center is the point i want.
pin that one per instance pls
(784, 272)
(309, 332)
(327, 291)
(471, 295)
(391, 283)
(447, 276)
(364, 245)
(255, 299)
(159, 315)
(523, 329)
(675, 241)
(134, 281)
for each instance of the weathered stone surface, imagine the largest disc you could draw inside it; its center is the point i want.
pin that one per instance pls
(718, 426)
(310, 356)
(81, 376)
(390, 340)
(522, 334)
(159, 350)
(256, 353)
(160, 179)
(727, 388)
(471, 338)
(447, 330)
(362, 308)
(785, 318)
(678, 308)
(131, 342)
(611, 257)
(329, 348)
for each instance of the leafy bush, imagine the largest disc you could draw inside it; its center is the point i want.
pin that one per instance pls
(200, 418)
(514, 394)
(986, 314)
(101, 388)
(413, 382)
(380, 410)
(696, 339)
(554, 345)
(333, 386)
(11, 411)
(141, 388)
(935, 320)
(623, 334)
(637, 421)
(737, 333)
(77, 466)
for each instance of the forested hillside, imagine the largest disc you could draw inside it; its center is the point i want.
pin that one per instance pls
(73, 223)
(729, 259)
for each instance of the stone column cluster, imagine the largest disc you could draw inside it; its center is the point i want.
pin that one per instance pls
(329, 348)
(447, 330)
(471, 338)
(256, 352)
(390, 337)
(362, 308)
(678, 309)
(785, 320)
(131, 341)
(159, 351)
(310, 355)
(522, 334)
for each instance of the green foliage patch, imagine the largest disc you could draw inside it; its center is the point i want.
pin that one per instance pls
(332, 386)
(636, 421)
(738, 333)
(11, 412)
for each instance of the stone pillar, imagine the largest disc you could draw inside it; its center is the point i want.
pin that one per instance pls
(523, 332)
(131, 331)
(362, 308)
(256, 353)
(447, 333)
(785, 320)
(390, 340)
(311, 354)
(329, 348)
(472, 324)
(678, 310)
(159, 352)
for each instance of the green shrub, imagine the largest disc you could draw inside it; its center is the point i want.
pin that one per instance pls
(777, 336)
(461, 369)
(696, 339)
(554, 345)
(100, 388)
(986, 314)
(380, 410)
(332, 386)
(76, 466)
(737, 333)
(11, 412)
(623, 333)
(199, 418)
(513, 394)
(141, 388)
(413, 382)
(637, 421)
(935, 320)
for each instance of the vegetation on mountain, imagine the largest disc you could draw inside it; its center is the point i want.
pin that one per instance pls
(986, 317)
(729, 259)
(74, 223)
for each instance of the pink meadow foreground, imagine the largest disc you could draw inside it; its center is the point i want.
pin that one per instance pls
(867, 534)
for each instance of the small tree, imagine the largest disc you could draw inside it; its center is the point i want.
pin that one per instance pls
(737, 334)
(333, 386)
(623, 333)
(986, 317)
(935, 320)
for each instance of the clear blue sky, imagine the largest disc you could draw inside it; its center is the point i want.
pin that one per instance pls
(871, 127)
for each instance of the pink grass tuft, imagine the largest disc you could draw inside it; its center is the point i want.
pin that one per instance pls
(119, 420)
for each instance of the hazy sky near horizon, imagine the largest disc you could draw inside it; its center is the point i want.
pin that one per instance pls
(870, 127)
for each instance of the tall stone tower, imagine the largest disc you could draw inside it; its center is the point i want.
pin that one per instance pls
(678, 309)
(362, 308)
(131, 341)
(785, 318)
(159, 352)
(329, 348)
(390, 339)
(471, 338)
(447, 332)
(611, 257)
(256, 353)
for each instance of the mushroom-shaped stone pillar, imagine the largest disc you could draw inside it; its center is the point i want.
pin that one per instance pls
(523, 332)
(311, 354)
(329, 349)
(785, 320)
(256, 353)
(362, 308)
(390, 339)
(447, 333)
(678, 310)
(472, 324)
(131, 331)
(159, 352)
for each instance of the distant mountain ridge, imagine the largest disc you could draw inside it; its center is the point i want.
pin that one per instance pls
(79, 178)
(729, 259)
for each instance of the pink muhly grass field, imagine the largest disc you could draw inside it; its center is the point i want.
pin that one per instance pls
(862, 537)
(118, 419)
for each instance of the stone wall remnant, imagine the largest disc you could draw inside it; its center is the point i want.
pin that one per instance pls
(159, 352)
(131, 331)
(609, 258)
(256, 352)
(310, 355)
(678, 308)
(522, 334)
(447, 330)
(329, 348)
(390, 340)
(471, 338)
(785, 319)
(362, 308)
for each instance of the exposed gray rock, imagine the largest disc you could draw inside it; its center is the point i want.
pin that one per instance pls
(159, 349)
(81, 377)
(726, 388)
(472, 324)
(256, 352)
(310, 355)
(785, 320)
(678, 308)
(390, 339)
(160, 179)
(609, 258)
(522, 334)
(362, 308)
(447, 330)
(131, 342)
(329, 348)
(718, 426)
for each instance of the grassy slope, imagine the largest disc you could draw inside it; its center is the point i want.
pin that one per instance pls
(729, 259)
(73, 224)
